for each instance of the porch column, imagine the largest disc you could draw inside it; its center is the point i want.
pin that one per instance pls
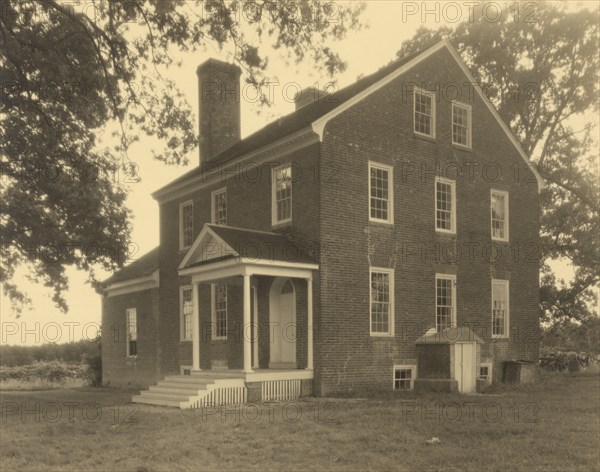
(195, 329)
(247, 324)
(309, 348)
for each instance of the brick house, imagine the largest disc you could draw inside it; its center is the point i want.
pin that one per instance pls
(382, 236)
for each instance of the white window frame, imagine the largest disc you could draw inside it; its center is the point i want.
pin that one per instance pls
(182, 205)
(489, 368)
(274, 220)
(213, 311)
(452, 184)
(469, 124)
(392, 312)
(131, 335)
(182, 336)
(413, 375)
(506, 284)
(213, 206)
(390, 171)
(451, 277)
(433, 112)
(506, 210)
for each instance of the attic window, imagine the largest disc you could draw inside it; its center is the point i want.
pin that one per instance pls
(424, 113)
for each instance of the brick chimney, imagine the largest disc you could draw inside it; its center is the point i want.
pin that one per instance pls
(307, 96)
(219, 107)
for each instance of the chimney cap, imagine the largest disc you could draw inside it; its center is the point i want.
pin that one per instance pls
(216, 63)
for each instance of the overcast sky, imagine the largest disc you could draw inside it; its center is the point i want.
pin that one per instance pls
(365, 51)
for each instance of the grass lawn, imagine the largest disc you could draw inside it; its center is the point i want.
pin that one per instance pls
(549, 426)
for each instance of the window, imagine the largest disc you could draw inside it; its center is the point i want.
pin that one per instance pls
(485, 371)
(445, 294)
(445, 205)
(499, 215)
(382, 302)
(282, 194)
(186, 225)
(381, 200)
(424, 112)
(219, 207)
(461, 124)
(404, 377)
(187, 310)
(131, 331)
(500, 308)
(219, 310)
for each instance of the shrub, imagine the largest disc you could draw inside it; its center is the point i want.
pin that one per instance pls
(560, 361)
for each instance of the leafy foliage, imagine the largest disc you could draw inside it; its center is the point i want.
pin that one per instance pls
(541, 74)
(70, 74)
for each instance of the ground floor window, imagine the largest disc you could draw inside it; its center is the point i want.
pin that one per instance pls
(131, 331)
(219, 311)
(404, 377)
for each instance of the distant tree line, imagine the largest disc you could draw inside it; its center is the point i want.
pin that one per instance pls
(85, 351)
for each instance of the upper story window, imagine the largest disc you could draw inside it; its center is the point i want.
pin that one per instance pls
(219, 311)
(445, 205)
(500, 311)
(186, 225)
(281, 197)
(381, 200)
(219, 207)
(187, 310)
(445, 301)
(461, 124)
(382, 301)
(131, 331)
(499, 215)
(424, 111)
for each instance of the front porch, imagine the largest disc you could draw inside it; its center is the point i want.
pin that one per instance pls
(262, 348)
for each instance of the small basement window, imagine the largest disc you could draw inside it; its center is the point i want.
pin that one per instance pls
(404, 377)
(485, 372)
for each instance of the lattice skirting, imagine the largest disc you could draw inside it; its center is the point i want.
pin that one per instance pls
(280, 390)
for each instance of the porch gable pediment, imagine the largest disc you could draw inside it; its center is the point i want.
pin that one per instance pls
(208, 246)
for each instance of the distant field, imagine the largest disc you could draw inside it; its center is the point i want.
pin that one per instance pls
(550, 426)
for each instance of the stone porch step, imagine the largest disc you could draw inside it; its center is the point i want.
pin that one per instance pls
(177, 389)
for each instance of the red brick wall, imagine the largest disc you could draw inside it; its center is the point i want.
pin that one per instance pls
(380, 128)
(248, 206)
(117, 368)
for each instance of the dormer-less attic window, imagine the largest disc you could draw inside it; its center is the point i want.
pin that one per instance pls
(424, 113)
(219, 207)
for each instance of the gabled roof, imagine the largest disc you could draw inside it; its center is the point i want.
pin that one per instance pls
(145, 265)
(226, 242)
(315, 115)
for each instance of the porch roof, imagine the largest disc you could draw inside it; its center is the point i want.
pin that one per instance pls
(225, 251)
(460, 334)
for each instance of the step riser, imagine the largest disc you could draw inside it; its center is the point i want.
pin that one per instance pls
(175, 391)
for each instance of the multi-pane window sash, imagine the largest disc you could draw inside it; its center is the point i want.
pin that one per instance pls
(461, 125)
(380, 193)
(220, 208)
(131, 331)
(186, 225)
(499, 308)
(444, 206)
(444, 302)
(187, 312)
(220, 310)
(403, 379)
(380, 302)
(499, 215)
(282, 177)
(424, 113)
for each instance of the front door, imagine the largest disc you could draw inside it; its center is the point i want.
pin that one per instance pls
(282, 310)
(464, 366)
